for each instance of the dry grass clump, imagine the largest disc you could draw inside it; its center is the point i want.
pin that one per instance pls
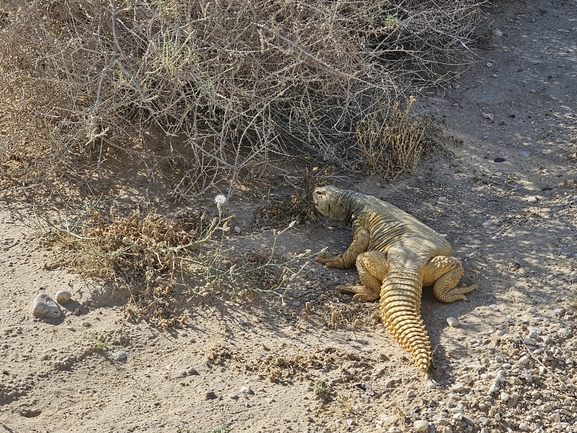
(241, 83)
(392, 142)
(141, 252)
(161, 262)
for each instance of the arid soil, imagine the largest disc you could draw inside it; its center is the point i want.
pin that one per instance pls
(308, 359)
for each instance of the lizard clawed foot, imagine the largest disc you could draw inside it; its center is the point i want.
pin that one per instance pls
(362, 293)
(458, 293)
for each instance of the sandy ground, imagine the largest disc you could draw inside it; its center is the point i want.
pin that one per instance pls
(506, 198)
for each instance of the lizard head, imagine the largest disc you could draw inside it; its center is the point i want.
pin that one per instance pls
(328, 201)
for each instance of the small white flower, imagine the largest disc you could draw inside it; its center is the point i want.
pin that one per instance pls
(220, 200)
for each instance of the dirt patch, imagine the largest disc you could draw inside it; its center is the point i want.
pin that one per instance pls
(307, 358)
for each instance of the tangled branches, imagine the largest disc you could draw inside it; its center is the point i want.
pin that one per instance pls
(239, 83)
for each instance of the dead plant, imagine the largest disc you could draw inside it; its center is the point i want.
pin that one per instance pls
(392, 141)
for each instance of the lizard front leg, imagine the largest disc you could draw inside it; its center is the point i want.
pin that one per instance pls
(359, 245)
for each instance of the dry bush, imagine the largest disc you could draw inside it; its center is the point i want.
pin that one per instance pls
(392, 141)
(241, 83)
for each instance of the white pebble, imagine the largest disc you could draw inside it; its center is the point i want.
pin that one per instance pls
(453, 322)
(120, 356)
(564, 331)
(421, 425)
(524, 360)
(458, 387)
(63, 296)
(532, 199)
(524, 426)
(500, 376)
(487, 224)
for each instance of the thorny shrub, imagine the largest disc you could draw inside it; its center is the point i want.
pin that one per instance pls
(240, 83)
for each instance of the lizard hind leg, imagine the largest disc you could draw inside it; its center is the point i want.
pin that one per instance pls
(445, 273)
(372, 267)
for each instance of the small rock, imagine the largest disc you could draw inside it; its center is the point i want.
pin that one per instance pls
(191, 371)
(532, 199)
(524, 360)
(525, 153)
(487, 224)
(458, 387)
(560, 312)
(530, 341)
(388, 419)
(524, 426)
(233, 396)
(210, 395)
(500, 376)
(350, 423)
(564, 331)
(44, 306)
(453, 322)
(421, 425)
(494, 387)
(499, 159)
(237, 229)
(534, 332)
(246, 390)
(63, 296)
(120, 356)
(496, 33)
(410, 393)
(504, 396)
(489, 116)
(389, 383)
(484, 420)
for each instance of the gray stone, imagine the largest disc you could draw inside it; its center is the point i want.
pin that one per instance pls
(44, 306)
